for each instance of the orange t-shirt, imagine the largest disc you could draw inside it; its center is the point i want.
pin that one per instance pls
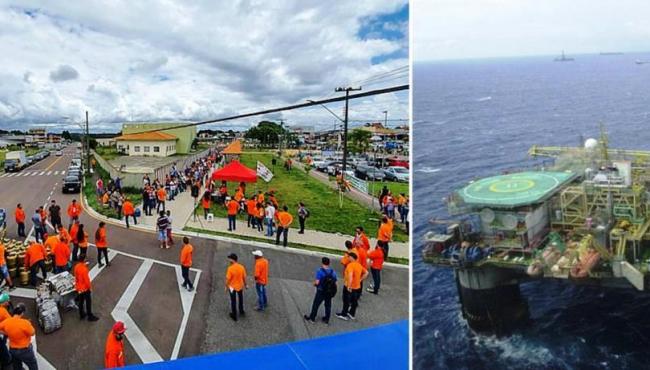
(20, 215)
(2, 254)
(61, 253)
(101, 241)
(239, 195)
(233, 206)
(362, 257)
(186, 255)
(35, 252)
(205, 202)
(84, 242)
(74, 210)
(114, 352)
(64, 234)
(51, 242)
(19, 331)
(262, 271)
(4, 314)
(385, 232)
(285, 219)
(353, 272)
(236, 276)
(251, 206)
(260, 198)
(162, 194)
(127, 208)
(377, 257)
(81, 277)
(362, 242)
(73, 232)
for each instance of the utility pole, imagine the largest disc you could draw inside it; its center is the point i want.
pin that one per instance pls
(87, 145)
(385, 119)
(345, 123)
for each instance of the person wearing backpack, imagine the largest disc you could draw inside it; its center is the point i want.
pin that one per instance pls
(303, 213)
(325, 284)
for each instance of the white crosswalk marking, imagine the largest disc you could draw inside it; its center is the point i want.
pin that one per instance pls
(48, 173)
(56, 172)
(42, 173)
(10, 175)
(34, 173)
(4, 175)
(25, 174)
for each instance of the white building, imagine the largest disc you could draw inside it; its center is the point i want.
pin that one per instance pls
(147, 144)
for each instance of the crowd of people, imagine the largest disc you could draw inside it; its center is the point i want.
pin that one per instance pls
(390, 203)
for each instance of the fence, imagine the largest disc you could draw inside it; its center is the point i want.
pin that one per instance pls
(160, 172)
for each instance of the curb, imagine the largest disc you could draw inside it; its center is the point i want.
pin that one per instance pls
(91, 212)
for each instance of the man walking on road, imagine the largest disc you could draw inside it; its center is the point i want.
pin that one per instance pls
(354, 274)
(74, 210)
(186, 263)
(325, 284)
(61, 253)
(161, 225)
(20, 220)
(377, 258)
(102, 244)
(114, 351)
(284, 221)
(39, 226)
(20, 332)
(35, 259)
(261, 279)
(83, 287)
(55, 215)
(235, 285)
(129, 210)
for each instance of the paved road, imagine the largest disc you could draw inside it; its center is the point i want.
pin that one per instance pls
(142, 287)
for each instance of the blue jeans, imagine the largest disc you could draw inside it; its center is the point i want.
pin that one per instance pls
(231, 222)
(269, 227)
(261, 295)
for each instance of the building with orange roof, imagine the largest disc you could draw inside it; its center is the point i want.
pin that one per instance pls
(148, 144)
(185, 135)
(233, 150)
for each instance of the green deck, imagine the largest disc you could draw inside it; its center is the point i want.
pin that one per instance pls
(515, 189)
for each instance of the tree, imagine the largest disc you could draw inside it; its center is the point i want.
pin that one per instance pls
(66, 135)
(266, 132)
(359, 141)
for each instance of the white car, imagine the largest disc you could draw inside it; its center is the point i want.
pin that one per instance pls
(395, 173)
(58, 153)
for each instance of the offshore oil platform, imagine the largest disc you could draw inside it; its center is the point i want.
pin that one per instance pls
(584, 219)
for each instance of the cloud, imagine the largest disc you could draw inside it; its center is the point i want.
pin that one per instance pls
(64, 73)
(189, 61)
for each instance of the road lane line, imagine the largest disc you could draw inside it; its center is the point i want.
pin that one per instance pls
(136, 337)
(187, 298)
(43, 363)
(53, 163)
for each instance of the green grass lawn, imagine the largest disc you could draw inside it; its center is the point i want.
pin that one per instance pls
(107, 152)
(322, 201)
(395, 187)
(132, 194)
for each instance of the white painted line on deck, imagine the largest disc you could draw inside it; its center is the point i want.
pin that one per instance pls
(187, 298)
(136, 337)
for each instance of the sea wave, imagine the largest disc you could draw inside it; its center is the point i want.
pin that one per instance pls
(485, 98)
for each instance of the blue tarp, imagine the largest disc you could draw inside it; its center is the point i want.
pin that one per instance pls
(381, 347)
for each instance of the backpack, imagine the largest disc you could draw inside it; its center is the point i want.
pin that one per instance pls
(329, 284)
(307, 212)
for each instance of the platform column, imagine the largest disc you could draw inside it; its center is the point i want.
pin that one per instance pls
(491, 301)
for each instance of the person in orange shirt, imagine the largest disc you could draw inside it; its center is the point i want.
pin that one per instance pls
(74, 229)
(239, 195)
(261, 279)
(223, 191)
(273, 200)
(64, 234)
(377, 258)
(101, 244)
(3, 266)
(83, 287)
(82, 243)
(186, 263)
(5, 356)
(361, 239)
(235, 285)
(260, 197)
(20, 219)
(161, 196)
(50, 242)
(114, 351)
(385, 234)
(346, 256)
(205, 203)
(35, 259)
(129, 210)
(353, 275)
(260, 214)
(74, 211)
(61, 252)
(251, 210)
(233, 207)
(284, 221)
(20, 331)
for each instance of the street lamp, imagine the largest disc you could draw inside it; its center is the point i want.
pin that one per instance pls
(385, 119)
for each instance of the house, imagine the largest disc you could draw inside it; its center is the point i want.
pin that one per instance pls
(184, 134)
(148, 144)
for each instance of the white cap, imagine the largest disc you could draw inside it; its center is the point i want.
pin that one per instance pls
(227, 198)
(258, 253)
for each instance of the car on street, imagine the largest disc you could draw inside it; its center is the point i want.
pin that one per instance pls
(395, 173)
(58, 153)
(71, 184)
(30, 160)
(369, 173)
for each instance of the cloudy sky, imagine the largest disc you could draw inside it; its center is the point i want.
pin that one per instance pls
(195, 60)
(459, 29)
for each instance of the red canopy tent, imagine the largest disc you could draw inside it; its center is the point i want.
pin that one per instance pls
(235, 172)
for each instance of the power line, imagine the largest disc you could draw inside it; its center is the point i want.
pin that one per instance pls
(290, 107)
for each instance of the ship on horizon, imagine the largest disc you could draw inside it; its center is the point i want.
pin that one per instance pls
(563, 58)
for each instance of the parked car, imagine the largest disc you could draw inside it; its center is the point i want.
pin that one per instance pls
(395, 173)
(58, 153)
(369, 173)
(30, 159)
(71, 183)
(74, 172)
(323, 166)
(334, 168)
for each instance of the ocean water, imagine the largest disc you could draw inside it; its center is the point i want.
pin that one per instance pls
(479, 117)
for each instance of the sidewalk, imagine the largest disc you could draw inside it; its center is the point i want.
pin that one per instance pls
(181, 210)
(310, 237)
